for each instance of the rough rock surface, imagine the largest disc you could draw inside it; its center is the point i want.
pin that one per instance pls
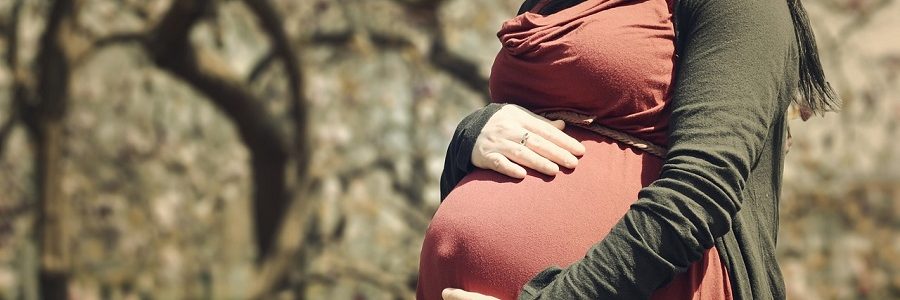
(160, 189)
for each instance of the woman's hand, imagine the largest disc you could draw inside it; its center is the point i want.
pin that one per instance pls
(514, 138)
(457, 294)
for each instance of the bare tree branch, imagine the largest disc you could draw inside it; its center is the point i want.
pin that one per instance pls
(340, 38)
(42, 111)
(7, 127)
(169, 47)
(119, 38)
(11, 212)
(140, 8)
(440, 56)
(12, 60)
(261, 66)
(101, 43)
(416, 7)
(459, 67)
(12, 39)
(283, 259)
(271, 23)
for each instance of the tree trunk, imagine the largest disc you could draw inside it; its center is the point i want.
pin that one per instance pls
(43, 116)
(53, 211)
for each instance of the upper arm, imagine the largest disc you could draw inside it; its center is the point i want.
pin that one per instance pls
(737, 62)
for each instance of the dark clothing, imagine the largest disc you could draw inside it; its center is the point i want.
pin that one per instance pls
(720, 183)
(491, 235)
(458, 162)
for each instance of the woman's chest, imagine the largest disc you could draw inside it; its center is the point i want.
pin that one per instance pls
(605, 58)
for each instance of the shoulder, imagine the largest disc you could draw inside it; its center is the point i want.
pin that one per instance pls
(773, 12)
(713, 23)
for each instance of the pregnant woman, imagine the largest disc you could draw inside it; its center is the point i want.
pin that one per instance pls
(626, 223)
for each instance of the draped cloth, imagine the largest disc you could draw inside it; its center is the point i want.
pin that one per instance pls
(612, 60)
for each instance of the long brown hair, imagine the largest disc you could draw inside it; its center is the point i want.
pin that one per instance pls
(815, 92)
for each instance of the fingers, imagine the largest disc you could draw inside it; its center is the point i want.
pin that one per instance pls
(552, 131)
(511, 157)
(559, 124)
(526, 157)
(501, 164)
(551, 151)
(457, 294)
(499, 145)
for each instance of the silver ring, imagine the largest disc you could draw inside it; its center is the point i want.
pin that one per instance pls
(524, 139)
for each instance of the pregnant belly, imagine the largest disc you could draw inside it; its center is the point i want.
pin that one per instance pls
(492, 233)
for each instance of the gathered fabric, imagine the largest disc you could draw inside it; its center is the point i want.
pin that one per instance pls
(606, 66)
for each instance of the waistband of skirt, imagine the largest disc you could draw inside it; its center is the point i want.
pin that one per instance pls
(588, 122)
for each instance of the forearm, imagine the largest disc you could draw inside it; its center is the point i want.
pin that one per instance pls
(458, 161)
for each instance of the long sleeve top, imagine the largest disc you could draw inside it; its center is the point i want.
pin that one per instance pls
(737, 71)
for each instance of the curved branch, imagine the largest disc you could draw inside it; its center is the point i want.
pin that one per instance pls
(261, 66)
(456, 66)
(459, 67)
(114, 39)
(169, 47)
(11, 29)
(7, 128)
(119, 38)
(272, 24)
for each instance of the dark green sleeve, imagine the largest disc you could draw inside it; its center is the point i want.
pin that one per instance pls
(458, 161)
(736, 58)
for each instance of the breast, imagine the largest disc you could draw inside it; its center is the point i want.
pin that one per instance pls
(610, 59)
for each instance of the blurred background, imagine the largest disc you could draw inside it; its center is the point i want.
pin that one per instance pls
(226, 149)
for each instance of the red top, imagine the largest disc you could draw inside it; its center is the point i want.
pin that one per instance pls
(595, 58)
(612, 59)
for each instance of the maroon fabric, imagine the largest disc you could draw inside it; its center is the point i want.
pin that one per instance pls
(609, 58)
(612, 59)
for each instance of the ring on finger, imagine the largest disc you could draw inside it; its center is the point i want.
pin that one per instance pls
(524, 139)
